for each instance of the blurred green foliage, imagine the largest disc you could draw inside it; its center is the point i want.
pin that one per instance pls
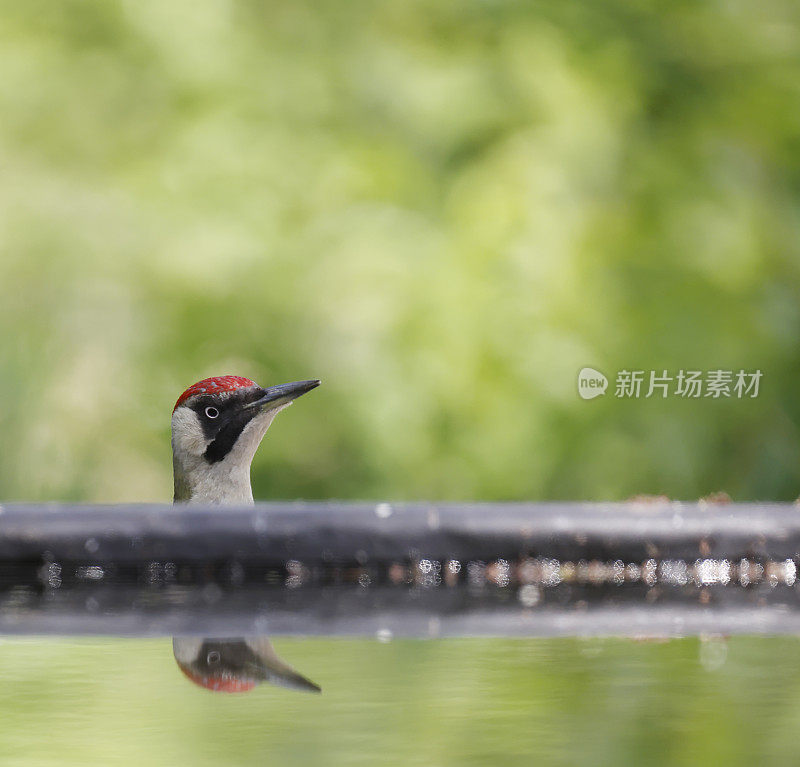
(444, 210)
(456, 703)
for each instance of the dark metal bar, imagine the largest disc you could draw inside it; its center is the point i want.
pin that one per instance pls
(131, 532)
(421, 569)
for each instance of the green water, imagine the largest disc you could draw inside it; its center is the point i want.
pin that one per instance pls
(428, 703)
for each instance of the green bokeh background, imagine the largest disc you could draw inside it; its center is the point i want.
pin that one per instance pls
(444, 210)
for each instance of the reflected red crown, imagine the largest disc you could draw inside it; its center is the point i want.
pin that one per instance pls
(224, 683)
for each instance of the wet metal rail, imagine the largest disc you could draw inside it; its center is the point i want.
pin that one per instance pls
(416, 570)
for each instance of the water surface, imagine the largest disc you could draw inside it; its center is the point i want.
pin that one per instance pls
(412, 702)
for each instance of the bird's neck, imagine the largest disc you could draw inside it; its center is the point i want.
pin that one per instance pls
(219, 483)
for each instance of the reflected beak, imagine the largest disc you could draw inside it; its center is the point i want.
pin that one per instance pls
(283, 394)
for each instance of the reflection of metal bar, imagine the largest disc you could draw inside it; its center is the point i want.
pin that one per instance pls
(402, 570)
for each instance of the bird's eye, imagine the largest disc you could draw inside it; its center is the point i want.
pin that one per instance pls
(211, 412)
(213, 658)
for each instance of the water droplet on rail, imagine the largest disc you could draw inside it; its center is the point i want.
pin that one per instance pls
(530, 595)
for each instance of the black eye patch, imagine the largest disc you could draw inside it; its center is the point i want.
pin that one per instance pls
(236, 654)
(224, 429)
(221, 412)
(226, 437)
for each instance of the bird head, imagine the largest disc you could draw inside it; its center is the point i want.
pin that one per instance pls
(217, 426)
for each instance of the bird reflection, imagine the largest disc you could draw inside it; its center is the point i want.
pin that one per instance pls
(235, 665)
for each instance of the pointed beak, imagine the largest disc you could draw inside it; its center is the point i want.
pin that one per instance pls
(283, 394)
(285, 676)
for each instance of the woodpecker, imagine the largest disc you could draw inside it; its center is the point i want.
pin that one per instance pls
(235, 665)
(217, 426)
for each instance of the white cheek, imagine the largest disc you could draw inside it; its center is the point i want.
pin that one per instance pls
(250, 438)
(186, 649)
(187, 433)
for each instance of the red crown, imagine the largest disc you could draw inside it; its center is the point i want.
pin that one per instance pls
(214, 386)
(223, 683)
